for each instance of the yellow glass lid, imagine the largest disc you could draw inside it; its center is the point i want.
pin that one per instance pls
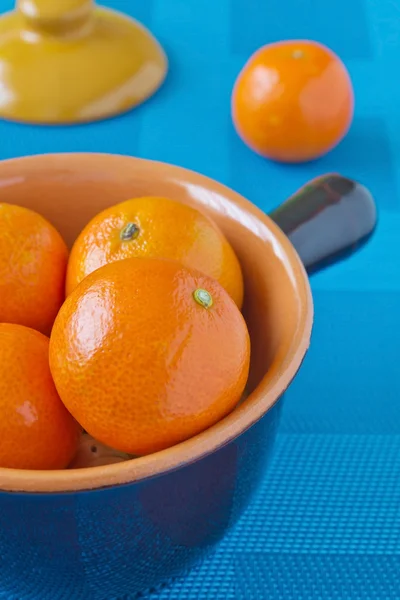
(69, 61)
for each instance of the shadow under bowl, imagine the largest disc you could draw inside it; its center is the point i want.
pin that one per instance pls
(116, 530)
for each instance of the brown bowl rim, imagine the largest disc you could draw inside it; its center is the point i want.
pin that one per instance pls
(262, 398)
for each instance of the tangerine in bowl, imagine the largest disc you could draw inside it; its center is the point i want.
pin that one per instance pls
(127, 524)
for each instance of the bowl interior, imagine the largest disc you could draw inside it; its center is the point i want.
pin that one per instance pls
(70, 189)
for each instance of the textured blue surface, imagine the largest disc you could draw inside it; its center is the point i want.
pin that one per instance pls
(326, 524)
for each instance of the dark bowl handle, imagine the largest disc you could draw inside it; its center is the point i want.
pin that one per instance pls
(327, 219)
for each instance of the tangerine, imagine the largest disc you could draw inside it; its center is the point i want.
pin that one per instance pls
(33, 263)
(160, 228)
(293, 101)
(93, 454)
(146, 353)
(36, 430)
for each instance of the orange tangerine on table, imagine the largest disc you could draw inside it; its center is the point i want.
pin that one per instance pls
(36, 430)
(146, 353)
(160, 228)
(293, 101)
(33, 263)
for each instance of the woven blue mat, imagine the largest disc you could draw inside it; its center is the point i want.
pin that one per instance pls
(326, 523)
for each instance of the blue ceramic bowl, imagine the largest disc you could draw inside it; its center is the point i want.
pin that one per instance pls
(117, 530)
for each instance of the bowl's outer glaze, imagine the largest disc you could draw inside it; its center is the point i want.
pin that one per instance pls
(115, 530)
(119, 541)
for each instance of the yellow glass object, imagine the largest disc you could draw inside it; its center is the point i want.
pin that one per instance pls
(68, 61)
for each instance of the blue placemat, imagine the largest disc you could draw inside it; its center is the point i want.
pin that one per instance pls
(326, 523)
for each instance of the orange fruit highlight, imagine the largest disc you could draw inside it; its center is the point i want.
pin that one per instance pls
(33, 263)
(157, 228)
(293, 101)
(36, 430)
(146, 353)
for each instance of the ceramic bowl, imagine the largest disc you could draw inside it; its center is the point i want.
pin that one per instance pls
(117, 530)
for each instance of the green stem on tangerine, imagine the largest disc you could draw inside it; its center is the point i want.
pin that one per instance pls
(203, 298)
(129, 232)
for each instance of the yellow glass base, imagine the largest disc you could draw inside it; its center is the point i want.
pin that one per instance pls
(65, 61)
